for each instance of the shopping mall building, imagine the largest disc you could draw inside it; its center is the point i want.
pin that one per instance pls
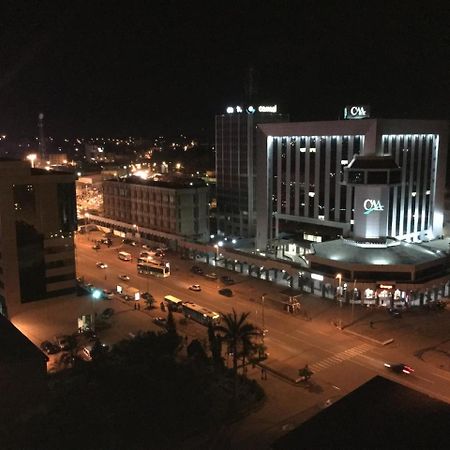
(369, 194)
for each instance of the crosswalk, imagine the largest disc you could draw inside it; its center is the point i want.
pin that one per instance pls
(340, 357)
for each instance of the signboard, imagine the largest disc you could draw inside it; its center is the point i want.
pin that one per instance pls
(353, 112)
(252, 109)
(371, 205)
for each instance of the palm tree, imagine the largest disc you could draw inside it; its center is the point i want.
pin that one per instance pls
(238, 333)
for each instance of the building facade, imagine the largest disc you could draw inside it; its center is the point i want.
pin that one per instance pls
(323, 180)
(178, 207)
(37, 221)
(236, 167)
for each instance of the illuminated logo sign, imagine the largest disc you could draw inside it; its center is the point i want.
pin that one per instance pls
(372, 205)
(357, 112)
(386, 286)
(269, 109)
(251, 109)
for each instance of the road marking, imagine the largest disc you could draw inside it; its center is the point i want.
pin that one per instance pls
(340, 357)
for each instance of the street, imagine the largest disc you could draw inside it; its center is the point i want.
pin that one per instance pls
(340, 361)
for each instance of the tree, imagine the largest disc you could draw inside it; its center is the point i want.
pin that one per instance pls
(215, 345)
(238, 333)
(149, 300)
(171, 326)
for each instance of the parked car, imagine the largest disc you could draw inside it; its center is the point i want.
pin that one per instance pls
(124, 277)
(195, 287)
(395, 312)
(89, 334)
(108, 294)
(50, 348)
(227, 280)
(107, 241)
(160, 321)
(107, 313)
(399, 368)
(102, 265)
(96, 247)
(197, 270)
(226, 292)
(211, 276)
(129, 242)
(63, 342)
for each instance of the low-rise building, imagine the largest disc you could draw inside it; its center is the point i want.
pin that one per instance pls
(178, 207)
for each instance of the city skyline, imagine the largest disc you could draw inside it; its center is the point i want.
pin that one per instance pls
(134, 71)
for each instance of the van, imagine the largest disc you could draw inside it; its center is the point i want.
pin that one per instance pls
(125, 256)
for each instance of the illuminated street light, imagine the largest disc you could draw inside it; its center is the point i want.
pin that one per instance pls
(32, 158)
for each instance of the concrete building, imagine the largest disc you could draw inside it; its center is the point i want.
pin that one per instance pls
(179, 207)
(394, 179)
(37, 221)
(236, 167)
(365, 197)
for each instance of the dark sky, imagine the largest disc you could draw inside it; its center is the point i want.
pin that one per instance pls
(171, 66)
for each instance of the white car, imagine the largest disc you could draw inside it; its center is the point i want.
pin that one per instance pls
(124, 277)
(195, 287)
(102, 265)
(108, 294)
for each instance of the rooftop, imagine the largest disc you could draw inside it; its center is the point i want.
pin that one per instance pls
(402, 254)
(15, 346)
(379, 414)
(173, 183)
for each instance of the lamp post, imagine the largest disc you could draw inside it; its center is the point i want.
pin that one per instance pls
(339, 277)
(32, 158)
(263, 317)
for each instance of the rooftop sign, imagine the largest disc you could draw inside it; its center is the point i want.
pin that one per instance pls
(252, 109)
(357, 112)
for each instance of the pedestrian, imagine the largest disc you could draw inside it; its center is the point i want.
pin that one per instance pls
(134, 306)
(371, 324)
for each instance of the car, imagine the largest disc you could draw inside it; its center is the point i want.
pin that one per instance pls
(129, 242)
(96, 247)
(124, 277)
(146, 296)
(146, 247)
(197, 270)
(226, 292)
(102, 265)
(160, 321)
(211, 276)
(108, 294)
(106, 241)
(395, 312)
(399, 368)
(50, 348)
(107, 313)
(89, 334)
(89, 286)
(227, 280)
(63, 342)
(195, 287)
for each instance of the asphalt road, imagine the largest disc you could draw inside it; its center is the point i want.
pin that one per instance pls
(340, 362)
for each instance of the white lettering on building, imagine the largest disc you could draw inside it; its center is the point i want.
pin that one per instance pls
(372, 205)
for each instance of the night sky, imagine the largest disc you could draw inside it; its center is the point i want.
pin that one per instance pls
(169, 68)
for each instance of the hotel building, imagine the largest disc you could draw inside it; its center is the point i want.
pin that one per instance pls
(236, 167)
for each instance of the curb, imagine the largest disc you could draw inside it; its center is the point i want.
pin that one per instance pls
(376, 341)
(292, 381)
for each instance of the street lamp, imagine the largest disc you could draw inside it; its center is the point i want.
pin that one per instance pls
(263, 317)
(339, 277)
(32, 158)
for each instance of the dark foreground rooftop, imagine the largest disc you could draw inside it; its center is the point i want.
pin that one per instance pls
(380, 414)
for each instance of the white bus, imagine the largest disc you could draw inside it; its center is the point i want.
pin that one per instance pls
(173, 303)
(156, 267)
(200, 314)
(124, 256)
